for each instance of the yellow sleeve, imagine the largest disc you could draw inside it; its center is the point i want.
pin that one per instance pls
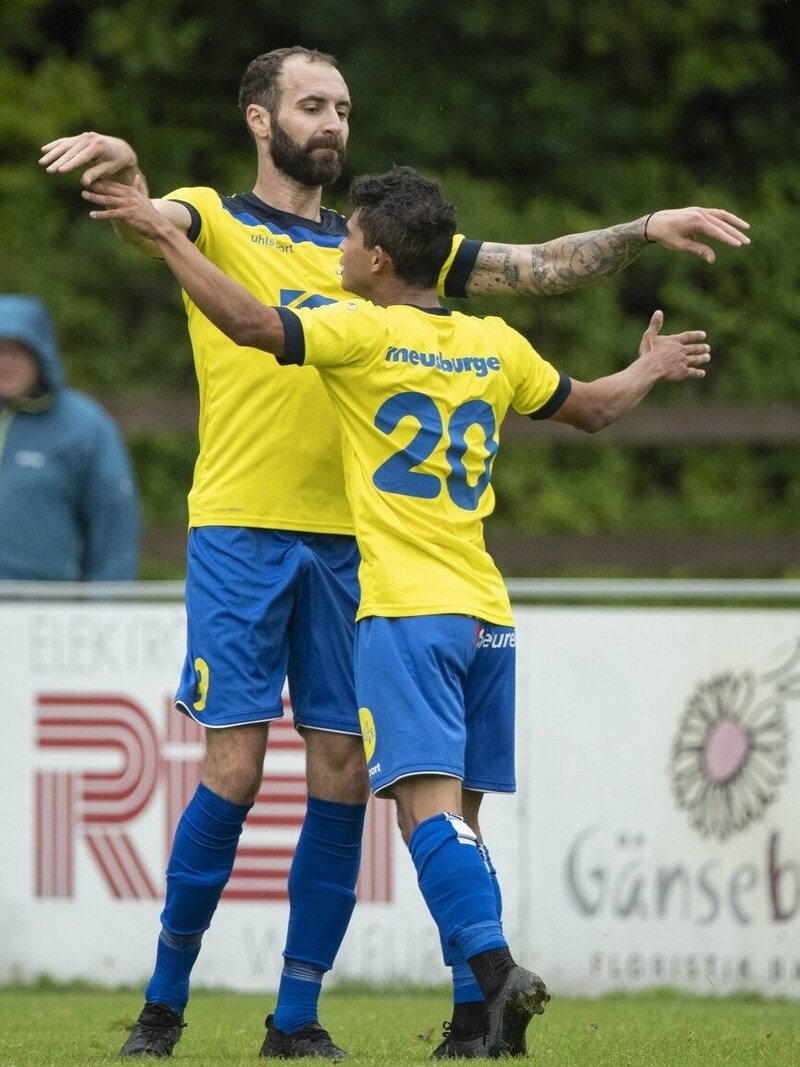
(202, 203)
(341, 334)
(537, 382)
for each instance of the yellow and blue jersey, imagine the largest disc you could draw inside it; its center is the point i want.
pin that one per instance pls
(270, 446)
(421, 394)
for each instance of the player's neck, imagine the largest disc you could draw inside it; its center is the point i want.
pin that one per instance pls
(395, 291)
(284, 193)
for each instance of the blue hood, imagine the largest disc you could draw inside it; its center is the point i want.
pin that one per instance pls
(26, 319)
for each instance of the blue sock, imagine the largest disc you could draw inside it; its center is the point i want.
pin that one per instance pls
(483, 851)
(322, 896)
(298, 995)
(465, 989)
(456, 885)
(200, 865)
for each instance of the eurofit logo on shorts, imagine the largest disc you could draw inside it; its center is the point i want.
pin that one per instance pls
(504, 639)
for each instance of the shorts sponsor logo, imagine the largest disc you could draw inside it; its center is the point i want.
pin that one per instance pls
(504, 639)
(367, 732)
(201, 685)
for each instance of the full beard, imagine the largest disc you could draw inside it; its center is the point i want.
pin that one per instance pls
(306, 163)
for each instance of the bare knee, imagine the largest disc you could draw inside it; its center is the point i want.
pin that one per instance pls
(234, 763)
(420, 797)
(336, 768)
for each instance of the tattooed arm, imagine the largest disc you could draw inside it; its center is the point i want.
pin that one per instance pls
(571, 262)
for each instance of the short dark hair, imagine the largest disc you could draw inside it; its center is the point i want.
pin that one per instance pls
(409, 218)
(261, 80)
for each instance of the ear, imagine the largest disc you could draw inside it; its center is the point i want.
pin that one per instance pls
(382, 262)
(258, 121)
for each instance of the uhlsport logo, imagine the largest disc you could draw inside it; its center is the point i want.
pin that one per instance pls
(731, 749)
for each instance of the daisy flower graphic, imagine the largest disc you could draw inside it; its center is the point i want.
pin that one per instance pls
(730, 753)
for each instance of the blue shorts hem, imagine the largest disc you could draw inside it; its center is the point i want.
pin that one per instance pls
(218, 722)
(491, 787)
(377, 783)
(329, 728)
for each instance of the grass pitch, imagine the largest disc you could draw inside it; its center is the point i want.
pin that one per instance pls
(49, 1026)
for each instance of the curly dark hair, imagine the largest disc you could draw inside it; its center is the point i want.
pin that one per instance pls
(409, 218)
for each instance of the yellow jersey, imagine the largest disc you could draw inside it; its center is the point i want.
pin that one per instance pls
(270, 446)
(421, 394)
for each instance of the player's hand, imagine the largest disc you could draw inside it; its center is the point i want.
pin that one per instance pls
(128, 204)
(675, 356)
(103, 157)
(679, 229)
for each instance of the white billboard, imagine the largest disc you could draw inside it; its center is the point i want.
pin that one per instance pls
(659, 798)
(654, 839)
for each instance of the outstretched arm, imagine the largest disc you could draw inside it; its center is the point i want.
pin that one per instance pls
(571, 262)
(106, 157)
(102, 156)
(222, 300)
(593, 405)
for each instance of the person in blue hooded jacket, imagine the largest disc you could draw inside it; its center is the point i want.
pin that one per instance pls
(69, 508)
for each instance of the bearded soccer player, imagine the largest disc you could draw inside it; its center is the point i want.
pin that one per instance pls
(434, 649)
(271, 587)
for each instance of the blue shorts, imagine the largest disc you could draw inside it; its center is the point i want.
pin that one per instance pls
(264, 605)
(436, 696)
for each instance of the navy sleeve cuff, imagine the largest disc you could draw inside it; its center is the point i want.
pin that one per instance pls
(563, 389)
(294, 345)
(196, 224)
(455, 284)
